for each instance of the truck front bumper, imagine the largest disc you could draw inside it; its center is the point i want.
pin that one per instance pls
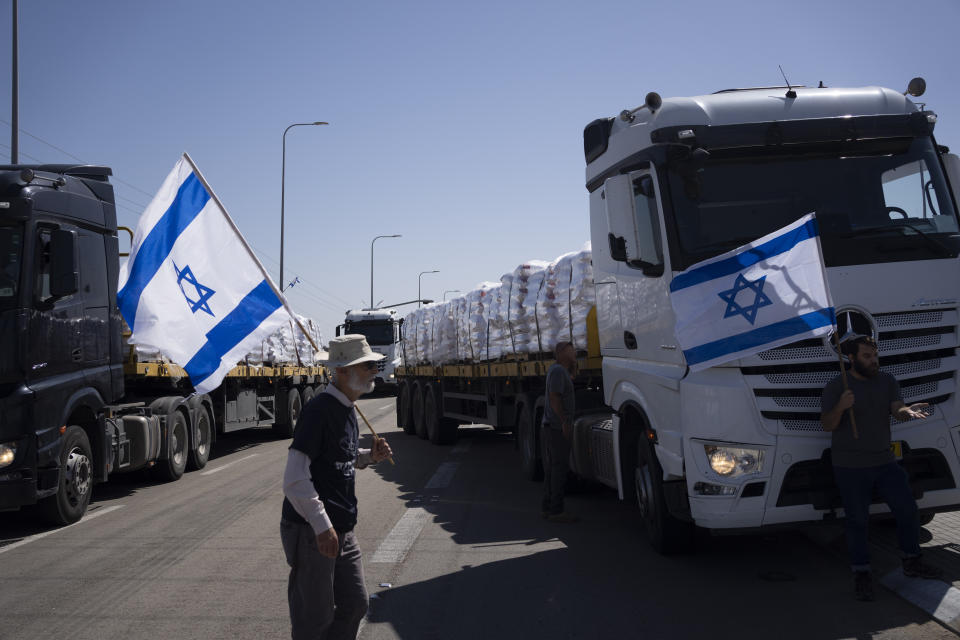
(799, 486)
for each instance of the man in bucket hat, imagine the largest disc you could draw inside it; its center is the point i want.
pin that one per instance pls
(326, 590)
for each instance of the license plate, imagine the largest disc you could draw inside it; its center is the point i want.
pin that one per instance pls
(897, 447)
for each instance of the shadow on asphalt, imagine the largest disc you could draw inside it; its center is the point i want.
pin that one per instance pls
(599, 578)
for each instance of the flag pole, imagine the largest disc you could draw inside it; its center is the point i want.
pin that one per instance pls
(375, 436)
(246, 246)
(846, 385)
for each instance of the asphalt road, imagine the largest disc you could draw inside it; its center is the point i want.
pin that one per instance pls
(453, 546)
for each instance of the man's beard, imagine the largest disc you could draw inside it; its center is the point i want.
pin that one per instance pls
(866, 372)
(360, 388)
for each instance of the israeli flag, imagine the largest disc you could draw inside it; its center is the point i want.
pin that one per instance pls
(768, 293)
(192, 288)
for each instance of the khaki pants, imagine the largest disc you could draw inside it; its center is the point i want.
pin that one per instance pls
(327, 596)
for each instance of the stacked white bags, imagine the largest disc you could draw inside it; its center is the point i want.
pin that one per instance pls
(529, 311)
(281, 347)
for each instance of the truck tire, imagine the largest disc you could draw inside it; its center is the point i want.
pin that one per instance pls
(530, 462)
(440, 430)
(291, 413)
(418, 401)
(70, 501)
(178, 448)
(666, 534)
(200, 450)
(309, 393)
(404, 413)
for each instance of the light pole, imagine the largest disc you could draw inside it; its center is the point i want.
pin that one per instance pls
(449, 291)
(396, 235)
(14, 93)
(283, 180)
(419, 278)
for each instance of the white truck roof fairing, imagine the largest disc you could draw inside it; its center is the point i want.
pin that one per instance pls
(371, 314)
(742, 107)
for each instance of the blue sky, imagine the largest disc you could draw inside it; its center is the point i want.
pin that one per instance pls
(458, 125)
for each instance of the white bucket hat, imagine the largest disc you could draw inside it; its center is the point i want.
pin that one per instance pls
(351, 349)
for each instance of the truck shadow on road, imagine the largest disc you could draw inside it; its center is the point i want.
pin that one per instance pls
(519, 576)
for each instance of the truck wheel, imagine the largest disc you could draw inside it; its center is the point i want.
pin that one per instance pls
(288, 419)
(178, 448)
(440, 430)
(200, 450)
(418, 402)
(667, 535)
(308, 395)
(76, 480)
(530, 462)
(404, 417)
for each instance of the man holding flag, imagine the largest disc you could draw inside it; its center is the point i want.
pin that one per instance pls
(863, 460)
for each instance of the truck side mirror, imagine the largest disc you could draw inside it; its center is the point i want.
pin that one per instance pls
(64, 276)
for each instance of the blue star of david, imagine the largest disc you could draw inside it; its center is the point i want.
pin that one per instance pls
(750, 311)
(204, 293)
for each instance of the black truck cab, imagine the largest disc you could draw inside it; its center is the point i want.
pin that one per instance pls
(60, 332)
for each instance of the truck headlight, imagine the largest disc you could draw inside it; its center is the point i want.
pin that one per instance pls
(8, 451)
(731, 462)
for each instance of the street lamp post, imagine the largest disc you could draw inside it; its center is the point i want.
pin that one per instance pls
(419, 278)
(283, 180)
(449, 291)
(396, 235)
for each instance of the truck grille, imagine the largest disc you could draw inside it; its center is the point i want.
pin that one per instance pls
(919, 348)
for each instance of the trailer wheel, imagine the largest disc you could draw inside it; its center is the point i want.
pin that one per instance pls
(404, 413)
(200, 450)
(530, 462)
(667, 535)
(178, 448)
(308, 394)
(418, 401)
(76, 480)
(288, 420)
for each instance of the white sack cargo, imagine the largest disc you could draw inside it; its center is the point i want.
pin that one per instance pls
(531, 309)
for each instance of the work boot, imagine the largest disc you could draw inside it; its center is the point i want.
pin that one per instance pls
(915, 568)
(563, 516)
(863, 586)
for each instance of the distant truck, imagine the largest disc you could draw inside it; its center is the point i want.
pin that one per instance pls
(382, 328)
(76, 404)
(740, 446)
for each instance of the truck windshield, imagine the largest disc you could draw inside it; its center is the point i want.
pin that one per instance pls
(887, 201)
(11, 243)
(377, 332)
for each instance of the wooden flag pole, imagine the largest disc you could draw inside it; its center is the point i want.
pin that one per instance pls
(846, 385)
(375, 436)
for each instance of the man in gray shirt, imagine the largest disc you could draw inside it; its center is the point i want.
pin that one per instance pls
(864, 462)
(558, 408)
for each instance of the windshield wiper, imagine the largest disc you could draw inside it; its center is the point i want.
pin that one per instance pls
(899, 227)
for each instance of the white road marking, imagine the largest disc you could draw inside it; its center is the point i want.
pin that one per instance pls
(395, 546)
(444, 475)
(86, 518)
(938, 598)
(462, 447)
(229, 464)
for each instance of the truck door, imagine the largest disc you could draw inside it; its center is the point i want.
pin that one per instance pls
(639, 248)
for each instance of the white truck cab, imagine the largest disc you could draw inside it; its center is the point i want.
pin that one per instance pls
(680, 180)
(381, 327)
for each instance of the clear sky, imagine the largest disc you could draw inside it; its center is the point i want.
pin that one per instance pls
(458, 125)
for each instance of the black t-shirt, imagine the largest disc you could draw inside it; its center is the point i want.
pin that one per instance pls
(872, 398)
(327, 433)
